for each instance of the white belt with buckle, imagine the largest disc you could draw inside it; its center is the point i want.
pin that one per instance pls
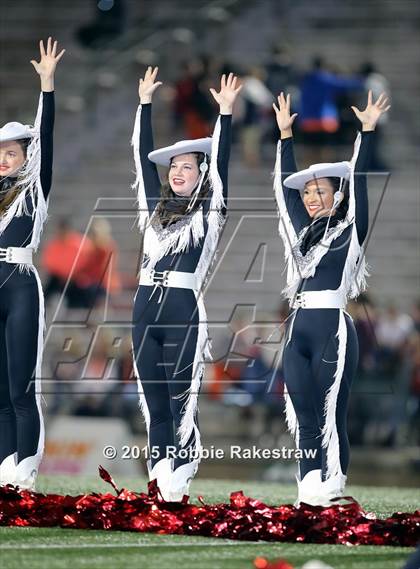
(18, 255)
(319, 299)
(175, 279)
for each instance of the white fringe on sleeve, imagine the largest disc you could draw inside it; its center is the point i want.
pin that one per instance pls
(356, 269)
(138, 185)
(29, 182)
(286, 230)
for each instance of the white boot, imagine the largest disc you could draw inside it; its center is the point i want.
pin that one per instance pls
(310, 489)
(162, 472)
(333, 487)
(8, 470)
(181, 480)
(27, 471)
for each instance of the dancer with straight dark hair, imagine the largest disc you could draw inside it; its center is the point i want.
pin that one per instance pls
(323, 223)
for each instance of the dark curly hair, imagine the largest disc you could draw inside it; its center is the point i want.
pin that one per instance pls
(171, 207)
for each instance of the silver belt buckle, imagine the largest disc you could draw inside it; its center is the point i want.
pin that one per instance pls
(6, 254)
(300, 301)
(160, 277)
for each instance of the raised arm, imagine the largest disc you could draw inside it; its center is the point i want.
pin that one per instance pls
(369, 118)
(223, 154)
(46, 69)
(147, 87)
(291, 199)
(225, 98)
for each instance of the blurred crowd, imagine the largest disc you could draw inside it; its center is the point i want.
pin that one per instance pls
(81, 269)
(321, 95)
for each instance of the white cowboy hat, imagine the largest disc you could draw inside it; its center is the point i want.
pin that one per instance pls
(14, 131)
(163, 156)
(298, 180)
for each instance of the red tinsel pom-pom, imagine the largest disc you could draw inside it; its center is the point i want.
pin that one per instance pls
(243, 518)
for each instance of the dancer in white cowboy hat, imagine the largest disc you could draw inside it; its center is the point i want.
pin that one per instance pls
(323, 223)
(25, 183)
(181, 221)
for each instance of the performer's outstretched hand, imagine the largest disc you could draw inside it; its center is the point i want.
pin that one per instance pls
(47, 64)
(370, 116)
(284, 120)
(148, 85)
(227, 94)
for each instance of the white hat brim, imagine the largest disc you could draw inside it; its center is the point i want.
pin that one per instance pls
(163, 156)
(298, 180)
(14, 131)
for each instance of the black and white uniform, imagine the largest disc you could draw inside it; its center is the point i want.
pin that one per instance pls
(170, 337)
(22, 308)
(321, 347)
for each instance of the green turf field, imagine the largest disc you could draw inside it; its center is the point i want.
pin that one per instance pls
(54, 548)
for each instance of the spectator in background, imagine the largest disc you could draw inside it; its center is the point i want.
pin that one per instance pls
(404, 416)
(280, 73)
(193, 107)
(361, 412)
(227, 369)
(414, 347)
(66, 366)
(97, 273)
(415, 314)
(392, 332)
(281, 76)
(412, 409)
(94, 394)
(414, 351)
(364, 318)
(59, 256)
(83, 268)
(318, 116)
(255, 102)
(128, 395)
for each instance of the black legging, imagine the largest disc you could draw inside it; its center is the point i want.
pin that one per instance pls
(309, 363)
(20, 420)
(164, 341)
